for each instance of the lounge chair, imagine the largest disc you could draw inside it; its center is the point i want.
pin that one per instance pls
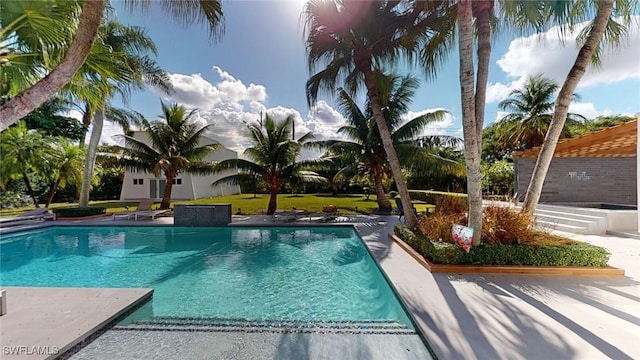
(39, 214)
(401, 208)
(144, 210)
(288, 215)
(330, 212)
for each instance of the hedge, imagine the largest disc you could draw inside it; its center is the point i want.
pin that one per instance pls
(579, 254)
(80, 211)
(431, 197)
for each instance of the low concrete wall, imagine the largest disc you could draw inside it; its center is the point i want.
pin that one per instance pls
(202, 215)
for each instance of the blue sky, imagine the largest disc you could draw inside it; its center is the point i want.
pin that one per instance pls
(259, 65)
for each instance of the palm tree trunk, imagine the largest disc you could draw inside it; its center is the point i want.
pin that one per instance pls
(30, 99)
(392, 156)
(168, 188)
(273, 202)
(52, 192)
(469, 126)
(27, 183)
(483, 10)
(87, 116)
(90, 161)
(383, 200)
(562, 106)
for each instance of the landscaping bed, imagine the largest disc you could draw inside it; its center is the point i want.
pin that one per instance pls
(566, 254)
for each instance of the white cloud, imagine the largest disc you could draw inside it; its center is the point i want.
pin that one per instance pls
(434, 128)
(500, 115)
(497, 91)
(194, 91)
(588, 110)
(324, 121)
(546, 54)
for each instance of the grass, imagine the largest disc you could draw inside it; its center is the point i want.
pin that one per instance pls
(250, 205)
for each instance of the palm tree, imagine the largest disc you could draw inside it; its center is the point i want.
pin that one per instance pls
(530, 114)
(123, 67)
(173, 148)
(364, 142)
(273, 156)
(350, 39)
(602, 25)
(23, 153)
(77, 51)
(79, 47)
(67, 166)
(472, 145)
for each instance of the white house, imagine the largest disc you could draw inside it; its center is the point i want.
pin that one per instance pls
(141, 185)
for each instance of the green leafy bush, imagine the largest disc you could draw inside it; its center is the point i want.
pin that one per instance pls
(572, 254)
(80, 212)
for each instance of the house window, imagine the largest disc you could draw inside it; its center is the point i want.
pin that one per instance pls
(138, 181)
(177, 181)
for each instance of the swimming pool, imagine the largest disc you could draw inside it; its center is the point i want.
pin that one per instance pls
(321, 274)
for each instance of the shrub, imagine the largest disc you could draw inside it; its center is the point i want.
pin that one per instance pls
(503, 225)
(500, 225)
(567, 253)
(438, 227)
(451, 205)
(80, 212)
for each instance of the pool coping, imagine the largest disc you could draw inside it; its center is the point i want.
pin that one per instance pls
(500, 269)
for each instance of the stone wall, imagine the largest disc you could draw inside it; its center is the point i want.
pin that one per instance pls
(582, 180)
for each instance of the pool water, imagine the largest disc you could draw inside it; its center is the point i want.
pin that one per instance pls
(321, 273)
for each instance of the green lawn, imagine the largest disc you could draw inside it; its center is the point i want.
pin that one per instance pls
(250, 205)
(247, 204)
(348, 204)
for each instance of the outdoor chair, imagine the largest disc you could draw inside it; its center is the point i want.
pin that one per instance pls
(39, 214)
(401, 209)
(144, 210)
(288, 215)
(330, 212)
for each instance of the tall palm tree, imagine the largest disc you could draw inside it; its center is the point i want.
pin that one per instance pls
(274, 157)
(350, 39)
(173, 148)
(601, 25)
(364, 141)
(78, 47)
(531, 110)
(123, 67)
(23, 152)
(470, 119)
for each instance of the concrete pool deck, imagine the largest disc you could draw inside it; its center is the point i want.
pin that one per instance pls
(474, 316)
(42, 323)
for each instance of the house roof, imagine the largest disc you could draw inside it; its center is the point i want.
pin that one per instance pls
(616, 141)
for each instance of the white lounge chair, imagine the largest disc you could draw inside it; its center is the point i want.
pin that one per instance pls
(144, 210)
(39, 214)
(288, 215)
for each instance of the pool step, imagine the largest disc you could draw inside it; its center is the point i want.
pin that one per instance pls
(275, 326)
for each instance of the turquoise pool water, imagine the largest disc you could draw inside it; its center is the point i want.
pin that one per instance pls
(321, 273)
